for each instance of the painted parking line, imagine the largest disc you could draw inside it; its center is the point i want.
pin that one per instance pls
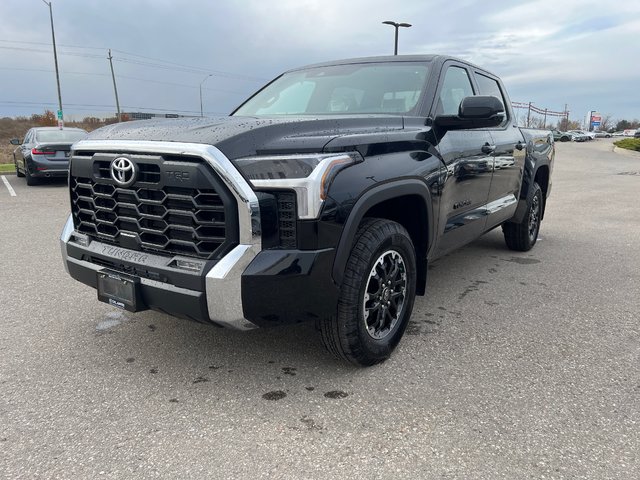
(12, 192)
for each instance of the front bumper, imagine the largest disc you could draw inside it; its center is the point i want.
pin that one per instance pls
(248, 288)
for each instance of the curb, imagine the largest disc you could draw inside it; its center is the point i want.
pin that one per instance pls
(626, 152)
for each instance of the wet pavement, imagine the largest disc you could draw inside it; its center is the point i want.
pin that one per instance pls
(515, 365)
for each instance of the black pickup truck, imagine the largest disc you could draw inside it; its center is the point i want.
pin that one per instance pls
(322, 197)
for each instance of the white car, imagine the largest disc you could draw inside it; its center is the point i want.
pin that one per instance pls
(602, 134)
(589, 135)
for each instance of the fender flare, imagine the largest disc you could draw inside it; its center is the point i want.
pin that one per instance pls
(371, 198)
(527, 186)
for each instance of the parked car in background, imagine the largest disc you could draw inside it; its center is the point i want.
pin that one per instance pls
(619, 133)
(559, 136)
(582, 133)
(637, 134)
(602, 135)
(590, 135)
(44, 152)
(578, 136)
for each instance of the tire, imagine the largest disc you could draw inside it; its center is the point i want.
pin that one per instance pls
(564, 139)
(31, 180)
(382, 248)
(523, 236)
(18, 172)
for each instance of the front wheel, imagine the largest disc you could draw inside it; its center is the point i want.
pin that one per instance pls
(376, 297)
(18, 172)
(522, 236)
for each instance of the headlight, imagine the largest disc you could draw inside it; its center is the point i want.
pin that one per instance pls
(309, 175)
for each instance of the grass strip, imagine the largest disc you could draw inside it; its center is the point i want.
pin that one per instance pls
(629, 144)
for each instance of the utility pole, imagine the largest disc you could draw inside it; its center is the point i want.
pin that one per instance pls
(115, 88)
(205, 79)
(55, 59)
(544, 123)
(529, 115)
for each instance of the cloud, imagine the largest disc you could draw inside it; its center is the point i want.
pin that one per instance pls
(580, 52)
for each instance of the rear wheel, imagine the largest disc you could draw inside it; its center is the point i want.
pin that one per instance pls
(522, 236)
(376, 297)
(31, 180)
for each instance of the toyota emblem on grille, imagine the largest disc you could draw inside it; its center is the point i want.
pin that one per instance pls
(123, 171)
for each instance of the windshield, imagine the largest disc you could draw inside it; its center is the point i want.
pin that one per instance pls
(70, 136)
(391, 88)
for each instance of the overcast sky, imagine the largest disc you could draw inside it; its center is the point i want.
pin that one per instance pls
(578, 52)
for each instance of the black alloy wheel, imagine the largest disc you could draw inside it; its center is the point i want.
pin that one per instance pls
(535, 211)
(522, 236)
(376, 296)
(385, 294)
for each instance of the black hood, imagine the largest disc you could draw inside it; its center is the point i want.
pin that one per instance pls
(245, 136)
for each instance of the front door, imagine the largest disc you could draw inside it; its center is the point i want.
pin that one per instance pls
(468, 163)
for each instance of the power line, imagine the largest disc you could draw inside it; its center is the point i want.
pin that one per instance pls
(164, 64)
(73, 54)
(204, 70)
(21, 42)
(148, 80)
(25, 103)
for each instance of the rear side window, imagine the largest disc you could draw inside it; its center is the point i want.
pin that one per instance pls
(455, 87)
(489, 86)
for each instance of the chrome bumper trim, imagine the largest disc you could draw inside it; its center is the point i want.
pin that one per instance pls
(224, 288)
(67, 231)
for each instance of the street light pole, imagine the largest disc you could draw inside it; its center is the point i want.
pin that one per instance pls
(205, 79)
(55, 59)
(396, 25)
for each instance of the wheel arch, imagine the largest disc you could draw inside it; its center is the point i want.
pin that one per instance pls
(407, 202)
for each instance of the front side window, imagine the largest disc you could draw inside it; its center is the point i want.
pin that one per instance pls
(455, 87)
(387, 88)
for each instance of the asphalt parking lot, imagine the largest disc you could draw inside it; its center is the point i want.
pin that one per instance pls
(515, 365)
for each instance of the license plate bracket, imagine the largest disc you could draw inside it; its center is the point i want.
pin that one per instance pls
(120, 290)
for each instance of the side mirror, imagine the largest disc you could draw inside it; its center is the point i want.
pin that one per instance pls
(15, 141)
(481, 111)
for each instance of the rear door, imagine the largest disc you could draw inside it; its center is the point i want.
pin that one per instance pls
(468, 161)
(509, 155)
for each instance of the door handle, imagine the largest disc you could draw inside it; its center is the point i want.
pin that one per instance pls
(486, 148)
